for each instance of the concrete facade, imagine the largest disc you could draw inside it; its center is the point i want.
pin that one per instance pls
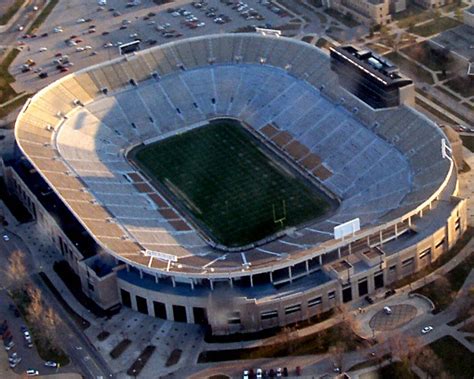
(228, 308)
(468, 16)
(368, 12)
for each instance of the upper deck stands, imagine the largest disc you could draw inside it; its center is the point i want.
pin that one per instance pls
(282, 89)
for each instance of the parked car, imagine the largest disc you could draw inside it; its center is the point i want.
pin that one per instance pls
(51, 364)
(389, 293)
(9, 344)
(427, 329)
(245, 374)
(387, 310)
(5, 237)
(369, 299)
(32, 372)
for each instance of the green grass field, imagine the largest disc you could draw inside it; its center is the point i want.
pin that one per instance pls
(229, 182)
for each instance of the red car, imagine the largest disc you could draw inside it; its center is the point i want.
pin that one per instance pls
(58, 54)
(64, 69)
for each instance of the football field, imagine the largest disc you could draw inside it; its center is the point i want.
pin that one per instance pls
(232, 185)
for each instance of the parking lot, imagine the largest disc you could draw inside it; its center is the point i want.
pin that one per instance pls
(89, 34)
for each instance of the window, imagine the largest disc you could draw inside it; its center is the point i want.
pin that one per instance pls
(457, 224)
(315, 301)
(234, 318)
(160, 309)
(126, 299)
(268, 315)
(393, 268)
(200, 316)
(363, 287)
(439, 244)
(142, 305)
(292, 309)
(331, 295)
(425, 253)
(407, 262)
(179, 313)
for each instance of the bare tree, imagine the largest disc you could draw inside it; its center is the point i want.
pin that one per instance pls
(337, 352)
(396, 346)
(35, 308)
(16, 272)
(430, 363)
(50, 322)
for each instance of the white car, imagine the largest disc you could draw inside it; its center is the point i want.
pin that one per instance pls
(32, 372)
(259, 373)
(80, 20)
(5, 237)
(201, 24)
(79, 48)
(51, 364)
(426, 329)
(387, 310)
(58, 29)
(88, 47)
(41, 49)
(245, 374)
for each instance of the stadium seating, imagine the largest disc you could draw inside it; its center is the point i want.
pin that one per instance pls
(373, 161)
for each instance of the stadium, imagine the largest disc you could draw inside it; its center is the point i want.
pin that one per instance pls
(208, 180)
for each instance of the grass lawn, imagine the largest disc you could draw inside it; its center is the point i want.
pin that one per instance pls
(410, 68)
(317, 343)
(441, 297)
(6, 90)
(10, 11)
(443, 259)
(231, 184)
(413, 14)
(440, 88)
(464, 85)
(47, 350)
(468, 141)
(457, 360)
(42, 16)
(425, 54)
(344, 19)
(434, 27)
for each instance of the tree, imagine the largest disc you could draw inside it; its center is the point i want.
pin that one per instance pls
(16, 272)
(429, 362)
(35, 308)
(50, 322)
(337, 352)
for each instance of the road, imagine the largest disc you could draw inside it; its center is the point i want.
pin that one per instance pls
(11, 34)
(83, 355)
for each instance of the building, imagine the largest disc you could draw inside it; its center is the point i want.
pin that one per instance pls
(130, 246)
(371, 78)
(468, 16)
(368, 12)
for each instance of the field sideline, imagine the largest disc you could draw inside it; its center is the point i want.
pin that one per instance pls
(233, 187)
